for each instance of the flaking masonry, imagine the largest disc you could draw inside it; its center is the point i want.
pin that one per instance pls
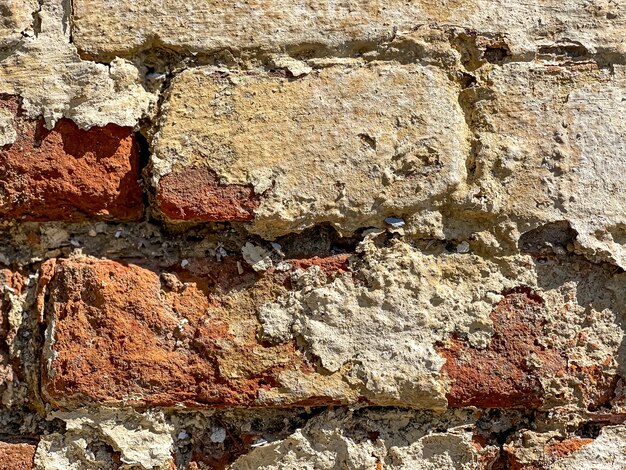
(270, 234)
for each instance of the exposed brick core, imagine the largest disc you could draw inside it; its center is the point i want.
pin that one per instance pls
(16, 456)
(563, 448)
(500, 375)
(67, 173)
(122, 332)
(195, 194)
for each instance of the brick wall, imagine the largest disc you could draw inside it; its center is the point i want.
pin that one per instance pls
(312, 234)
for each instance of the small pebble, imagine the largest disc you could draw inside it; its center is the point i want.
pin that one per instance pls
(463, 247)
(259, 443)
(218, 435)
(395, 222)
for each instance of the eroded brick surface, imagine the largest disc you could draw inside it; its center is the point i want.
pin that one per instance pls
(196, 194)
(66, 173)
(295, 153)
(520, 360)
(16, 456)
(121, 332)
(534, 451)
(123, 27)
(503, 374)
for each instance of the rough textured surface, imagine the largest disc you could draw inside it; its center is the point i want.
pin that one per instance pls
(309, 148)
(196, 194)
(107, 440)
(13, 380)
(68, 173)
(16, 456)
(316, 234)
(603, 453)
(121, 26)
(551, 148)
(46, 71)
(118, 333)
(381, 331)
(17, 17)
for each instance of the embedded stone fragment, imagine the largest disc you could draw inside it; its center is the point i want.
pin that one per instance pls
(108, 439)
(550, 148)
(16, 456)
(392, 439)
(348, 146)
(67, 173)
(123, 27)
(196, 194)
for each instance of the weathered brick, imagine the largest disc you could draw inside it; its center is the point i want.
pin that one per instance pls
(535, 451)
(196, 194)
(319, 332)
(605, 452)
(123, 26)
(500, 375)
(521, 361)
(128, 333)
(551, 148)
(66, 173)
(291, 154)
(16, 456)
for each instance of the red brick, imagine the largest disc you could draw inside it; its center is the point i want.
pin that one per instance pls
(68, 173)
(195, 194)
(499, 376)
(117, 336)
(16, 456)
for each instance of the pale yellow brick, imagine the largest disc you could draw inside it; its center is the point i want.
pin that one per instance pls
(345, 146)
(125, 26)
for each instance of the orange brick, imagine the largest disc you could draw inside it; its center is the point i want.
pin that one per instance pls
(16, 456)
(142, 335)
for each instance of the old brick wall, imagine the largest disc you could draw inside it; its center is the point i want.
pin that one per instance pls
(313, 234)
